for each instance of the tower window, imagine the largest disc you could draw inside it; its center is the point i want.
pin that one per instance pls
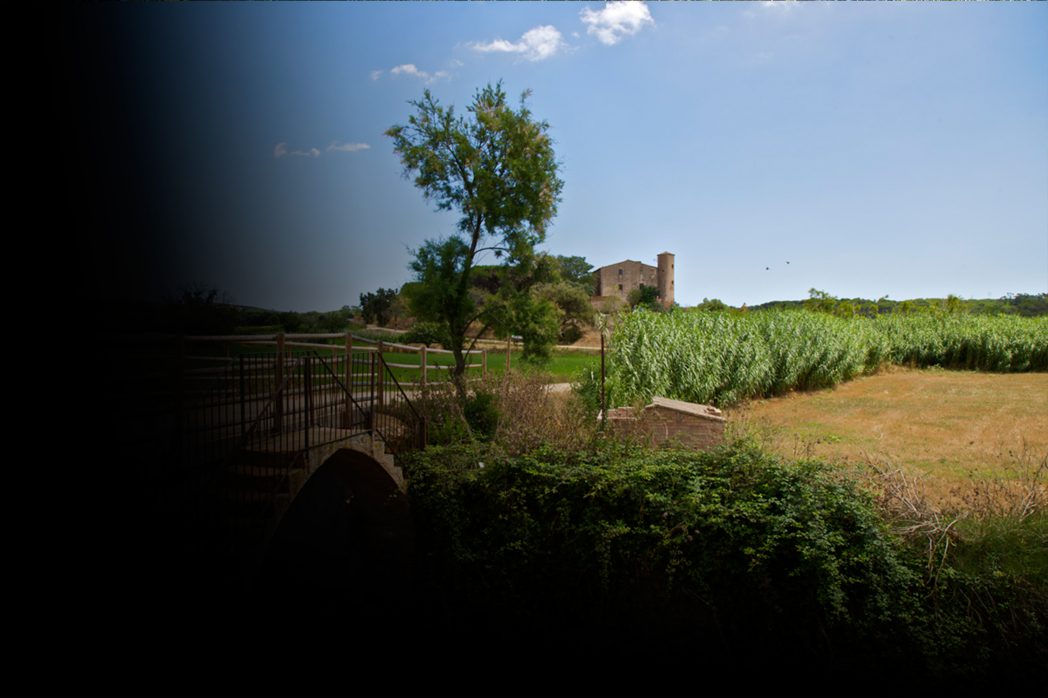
(620, 272)
(620, 285)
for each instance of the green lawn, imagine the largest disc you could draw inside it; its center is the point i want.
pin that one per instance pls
(564, 367)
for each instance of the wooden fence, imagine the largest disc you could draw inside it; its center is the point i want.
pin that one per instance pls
(349, 345)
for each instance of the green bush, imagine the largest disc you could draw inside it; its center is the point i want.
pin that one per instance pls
(729, 558)
(482, 414)
(426, 333)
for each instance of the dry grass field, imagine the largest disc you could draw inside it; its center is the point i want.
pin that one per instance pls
(952, 426)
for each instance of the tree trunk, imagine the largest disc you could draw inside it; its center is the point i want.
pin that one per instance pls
(458, 375)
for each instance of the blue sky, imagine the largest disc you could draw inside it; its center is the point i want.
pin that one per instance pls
(880, 148)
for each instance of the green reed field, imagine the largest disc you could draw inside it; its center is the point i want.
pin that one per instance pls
(725, 357)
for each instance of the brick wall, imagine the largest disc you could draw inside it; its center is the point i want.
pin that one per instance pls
(657, 426)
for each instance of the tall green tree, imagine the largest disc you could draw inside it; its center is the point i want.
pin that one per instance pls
(496, 167)
(377, 307)
(578, 271)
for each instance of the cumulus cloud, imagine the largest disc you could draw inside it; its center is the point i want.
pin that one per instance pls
(536, 44)
(339, 147)
(281, 151)
(616, 20)
(376, 74)
(412, 70)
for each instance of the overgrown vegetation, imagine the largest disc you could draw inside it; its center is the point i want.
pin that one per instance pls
(513, 413)
(725, 562)
(725, 357)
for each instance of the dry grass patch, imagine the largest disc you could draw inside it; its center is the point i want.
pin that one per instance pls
(951, 426)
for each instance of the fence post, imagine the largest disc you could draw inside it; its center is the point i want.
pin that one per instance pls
(243, 397)
(278, 394)
(349, 378)
(308, 386)
(508, 340)
(603, 403)
(484, 363)
(371, 393)
(424, 365)
(180, 387)
(381, 365)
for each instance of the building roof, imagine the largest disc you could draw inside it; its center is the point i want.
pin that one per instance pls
(692, 408)
(625, 261)
(707, 411)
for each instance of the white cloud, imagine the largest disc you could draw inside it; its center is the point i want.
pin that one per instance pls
(338, 147)
(376, 74)
(281, 151)
(616, 20)
(536, 44)
(412, 70)
(777, 8)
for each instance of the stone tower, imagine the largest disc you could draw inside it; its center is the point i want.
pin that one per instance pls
(664, 279)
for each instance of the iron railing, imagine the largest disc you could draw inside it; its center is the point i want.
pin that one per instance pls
(249, 427)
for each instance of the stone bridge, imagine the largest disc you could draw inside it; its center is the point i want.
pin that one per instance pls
(265, 424)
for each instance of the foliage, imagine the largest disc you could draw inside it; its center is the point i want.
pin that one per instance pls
(426, 333)
(515, 412)
(497, 169)
(573, 307)
(644, 297)
(537, 322)
(579, 272)
(1023, 304)
(722, 358)
(482, 414)
(731, 559)
(712, 304)
(376, 307)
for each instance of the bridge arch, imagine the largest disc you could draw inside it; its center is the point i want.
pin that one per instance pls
(346, 540)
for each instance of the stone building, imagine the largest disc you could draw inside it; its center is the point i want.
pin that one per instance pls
(670, 422)
(617, 280)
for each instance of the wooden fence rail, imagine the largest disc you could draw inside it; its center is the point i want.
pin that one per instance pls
(351, 344)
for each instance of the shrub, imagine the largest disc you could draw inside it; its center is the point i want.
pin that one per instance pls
(426, 333)
(482, 414)
(727, 560)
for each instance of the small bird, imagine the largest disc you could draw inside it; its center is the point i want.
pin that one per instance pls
(787, 262)
(767, 268)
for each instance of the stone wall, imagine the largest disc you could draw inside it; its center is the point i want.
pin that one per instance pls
(699, 426)
(619, 279)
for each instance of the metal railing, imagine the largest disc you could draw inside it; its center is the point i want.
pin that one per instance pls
(248, 429)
